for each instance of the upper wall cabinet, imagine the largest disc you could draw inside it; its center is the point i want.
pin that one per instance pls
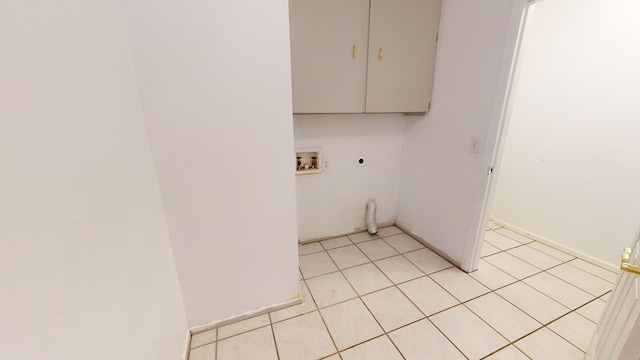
(357, 56)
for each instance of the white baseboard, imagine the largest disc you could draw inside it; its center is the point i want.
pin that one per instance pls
(343, 233)
(246, 315)
(427, 244)
(558, 246)
(187, 348)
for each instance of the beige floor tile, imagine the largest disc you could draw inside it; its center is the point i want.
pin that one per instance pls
(534, 303)
(493, 225)
(336, 242)
(330, 289)
(303, 337)
(610, 276)
(388, 231)
(423, 341)
(488, 249)
(243, 326)
(366, 278)
(427, 295)
(348, 256)
(391, 308)
(592, 310)
(509, 321)
(350, 323)
(378, 348)
(427, 261)
(500, 241)
(534, 257)
(560, 255)
(561, 291)
(316, 264)
(514, 235)
(203, 338)
(207, 352)
(403, 243)
(308, 305)
(468, 332)
(309, 248)
(332, 357)
(513, 311)
(363, 236)
(508, 353)
(459, 284)
(398, 269)
(512, 265)
(377, 249)
(581, 279)
(574, 328)
(492, 277)
(544, 344)
(253, 345)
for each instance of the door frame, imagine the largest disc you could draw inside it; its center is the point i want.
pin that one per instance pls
(521, 12)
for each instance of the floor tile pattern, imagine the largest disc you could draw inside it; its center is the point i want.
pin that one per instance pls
(387, 296)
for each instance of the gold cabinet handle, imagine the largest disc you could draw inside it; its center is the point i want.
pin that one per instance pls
(624, 264)
(355, 51)
(380, 54)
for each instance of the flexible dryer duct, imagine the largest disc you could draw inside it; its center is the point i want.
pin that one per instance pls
(371, 218)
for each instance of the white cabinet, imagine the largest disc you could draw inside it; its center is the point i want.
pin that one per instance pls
(327, 77)
(356, 56)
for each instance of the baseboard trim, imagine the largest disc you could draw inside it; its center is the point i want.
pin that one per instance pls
(246, 315)
(427, 244)
(558, 246)
(187, 348)
(338, 234)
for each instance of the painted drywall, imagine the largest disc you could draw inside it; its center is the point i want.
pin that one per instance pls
(334, 202)
(86, 267)
(215, 80)
(570, 170)
(442, 182)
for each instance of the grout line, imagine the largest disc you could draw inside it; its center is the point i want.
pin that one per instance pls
(394, 345)
(385, 333)
(320, 313)
(424, 316)
(562, 337)
(273, 335)
(446, 337)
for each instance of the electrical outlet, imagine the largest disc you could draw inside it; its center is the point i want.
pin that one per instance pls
(325, 164)
(474, 146)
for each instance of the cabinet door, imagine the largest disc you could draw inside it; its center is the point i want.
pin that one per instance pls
(402, 46)
(326, 76)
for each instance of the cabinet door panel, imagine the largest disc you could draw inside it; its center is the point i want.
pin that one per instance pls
(325, 76)
(401, 78)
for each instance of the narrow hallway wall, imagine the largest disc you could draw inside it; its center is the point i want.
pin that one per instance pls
(86, 267)
(215, 81)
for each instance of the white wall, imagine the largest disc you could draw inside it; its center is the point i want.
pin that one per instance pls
(441, 182)
(570, 167)
(216, 90)
(334, 202)
(86, 268)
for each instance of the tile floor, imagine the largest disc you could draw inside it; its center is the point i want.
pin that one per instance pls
(388, 297)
